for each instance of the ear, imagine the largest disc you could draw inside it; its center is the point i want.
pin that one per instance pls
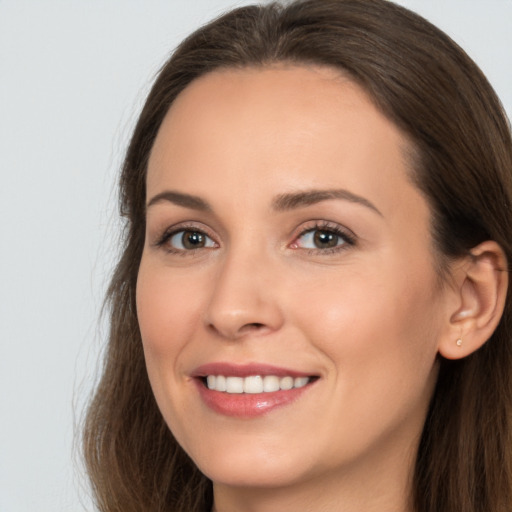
(480, 290)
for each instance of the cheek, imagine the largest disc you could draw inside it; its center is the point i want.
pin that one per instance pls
(167, 311)
(391, 303)
(378, 329)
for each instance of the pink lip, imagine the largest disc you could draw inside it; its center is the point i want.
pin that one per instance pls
(245, 370)
(246, 405)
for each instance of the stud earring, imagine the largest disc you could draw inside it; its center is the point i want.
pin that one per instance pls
(459, 342)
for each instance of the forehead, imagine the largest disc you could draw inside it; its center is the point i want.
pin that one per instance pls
(287, 127)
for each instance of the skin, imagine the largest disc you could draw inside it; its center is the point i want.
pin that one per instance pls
(367, 318)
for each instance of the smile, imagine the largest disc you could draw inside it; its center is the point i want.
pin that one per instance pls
(250, 390)
(254, 384)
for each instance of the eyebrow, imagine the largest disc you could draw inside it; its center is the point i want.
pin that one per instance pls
(181, 199)
(282, 202)
(301, 199)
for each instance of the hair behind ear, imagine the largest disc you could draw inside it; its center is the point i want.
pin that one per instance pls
(464, 454)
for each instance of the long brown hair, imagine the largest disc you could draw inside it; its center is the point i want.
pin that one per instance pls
(462, 162)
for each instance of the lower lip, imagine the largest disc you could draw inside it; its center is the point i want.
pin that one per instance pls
(247, 405)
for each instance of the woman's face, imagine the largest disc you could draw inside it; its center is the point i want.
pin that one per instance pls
(286, 246)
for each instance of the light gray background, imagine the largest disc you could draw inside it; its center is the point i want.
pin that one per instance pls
(73, 75)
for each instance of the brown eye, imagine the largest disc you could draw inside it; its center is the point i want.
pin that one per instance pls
(193, 240)
(188, 240)
(325, 239)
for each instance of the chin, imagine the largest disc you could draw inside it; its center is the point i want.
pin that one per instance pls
(251, 475)
(245, 467)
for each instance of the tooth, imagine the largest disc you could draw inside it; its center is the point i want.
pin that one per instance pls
(270, 383)
(210, 381)
(253, 384)
(286, 383)
(220, 383)
(234, 384)
(299, 382)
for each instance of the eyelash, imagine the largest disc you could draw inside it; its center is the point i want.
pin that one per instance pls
(170, 232)
(345, 235)
(348, 238)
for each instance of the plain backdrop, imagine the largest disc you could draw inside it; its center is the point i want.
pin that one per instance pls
(73, 75)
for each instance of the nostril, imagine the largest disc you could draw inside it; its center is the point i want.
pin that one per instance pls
(249, 327)
(233, 332)
(254, 326)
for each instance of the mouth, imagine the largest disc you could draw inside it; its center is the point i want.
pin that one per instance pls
(247, 391)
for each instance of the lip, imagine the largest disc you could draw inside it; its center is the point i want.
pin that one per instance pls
(245, 370)
(246, 405)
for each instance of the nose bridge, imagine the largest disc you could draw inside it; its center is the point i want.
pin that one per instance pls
(243, 295)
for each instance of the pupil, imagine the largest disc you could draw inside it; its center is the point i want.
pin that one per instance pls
(192, 240)
(325, 239)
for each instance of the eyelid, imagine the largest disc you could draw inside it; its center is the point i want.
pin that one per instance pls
(171, 231)
(346, 234)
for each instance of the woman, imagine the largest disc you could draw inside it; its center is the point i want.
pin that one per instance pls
(311, 309)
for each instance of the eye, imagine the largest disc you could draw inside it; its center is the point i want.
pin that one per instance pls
(189, 239)
(319, 239)
(323, 238)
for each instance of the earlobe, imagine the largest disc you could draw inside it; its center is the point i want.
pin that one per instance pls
(481, 289)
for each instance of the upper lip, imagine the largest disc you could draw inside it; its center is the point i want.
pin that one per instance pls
(245, 370)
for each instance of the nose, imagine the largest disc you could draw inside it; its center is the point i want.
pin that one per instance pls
(244, 298)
